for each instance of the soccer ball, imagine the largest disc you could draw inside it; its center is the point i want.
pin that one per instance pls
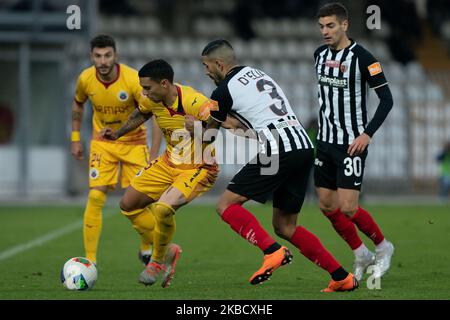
(79, 274)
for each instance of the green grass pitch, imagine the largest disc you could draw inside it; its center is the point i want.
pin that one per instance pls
(215, 262)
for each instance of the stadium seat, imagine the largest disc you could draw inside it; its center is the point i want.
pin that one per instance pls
(264, 28)
(134, 46)
(116, 25)
(183, 48)
(415, 72)
(434, 93)
(273, 49)
(381, 51)
(286, 28)
(150, 26)
(257, 49)
(290, 49)
(169, 48)
(394, 72)
(79, 48)
(133, 25)
(212, 27)
(306, 29)
(286, 70)
(305, 72)
(178, 67)
(239, 46)
(150, 47)
(196, 69)
(307, 49)
(103, 23)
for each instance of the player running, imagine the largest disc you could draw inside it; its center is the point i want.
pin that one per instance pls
(344, 69)
(113, 90)
(251, 96)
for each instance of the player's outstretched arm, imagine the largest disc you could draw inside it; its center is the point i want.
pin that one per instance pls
(77, 117)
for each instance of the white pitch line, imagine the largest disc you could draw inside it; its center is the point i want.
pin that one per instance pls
(43, 239)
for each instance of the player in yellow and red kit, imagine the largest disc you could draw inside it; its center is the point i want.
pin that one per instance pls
(114, 91)
(175, 177)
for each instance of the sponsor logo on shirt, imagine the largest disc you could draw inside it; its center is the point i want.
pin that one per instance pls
(332, 63)
(332, 81)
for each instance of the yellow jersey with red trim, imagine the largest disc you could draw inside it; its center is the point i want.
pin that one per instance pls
(112, 102)
(182, 151)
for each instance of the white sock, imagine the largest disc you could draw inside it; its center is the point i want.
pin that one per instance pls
(146, 252)
(361, 251)
(381, 245)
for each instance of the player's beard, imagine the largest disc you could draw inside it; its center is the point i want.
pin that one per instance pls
(216, 78)
(105, 70)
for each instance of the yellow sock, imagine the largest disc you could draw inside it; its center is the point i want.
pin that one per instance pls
(143, 221)
(145, 246)
(164, 229)
(92, 223)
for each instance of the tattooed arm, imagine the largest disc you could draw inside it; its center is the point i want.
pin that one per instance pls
(77, 117)
(134, 120)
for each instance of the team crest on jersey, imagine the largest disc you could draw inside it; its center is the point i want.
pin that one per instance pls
(343, 67)
(93, 174)
(123, 96)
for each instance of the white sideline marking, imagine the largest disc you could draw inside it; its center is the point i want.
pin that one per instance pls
(43, 239)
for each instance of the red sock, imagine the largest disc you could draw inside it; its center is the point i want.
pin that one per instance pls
(310, 246)
(367, 225)
(345, 228)
(246, 225)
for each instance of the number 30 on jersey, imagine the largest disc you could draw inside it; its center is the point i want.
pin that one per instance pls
(353, 166)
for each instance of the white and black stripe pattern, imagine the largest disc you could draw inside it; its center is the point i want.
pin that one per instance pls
(257, 100)
(342, 95)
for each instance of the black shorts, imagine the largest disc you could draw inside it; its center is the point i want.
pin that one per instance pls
(286, 187)
(335, 168)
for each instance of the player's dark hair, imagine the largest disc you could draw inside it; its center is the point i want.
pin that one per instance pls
(103, 41)
(157, 70)
(214, 45)
(333, 9)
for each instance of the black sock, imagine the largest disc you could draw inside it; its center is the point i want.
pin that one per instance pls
(339, 274)
(273, 247)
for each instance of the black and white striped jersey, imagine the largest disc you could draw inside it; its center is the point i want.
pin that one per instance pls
(343, 79)
(257, 100)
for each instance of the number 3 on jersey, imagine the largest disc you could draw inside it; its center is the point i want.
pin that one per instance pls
(353, 166)
(260, 85)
